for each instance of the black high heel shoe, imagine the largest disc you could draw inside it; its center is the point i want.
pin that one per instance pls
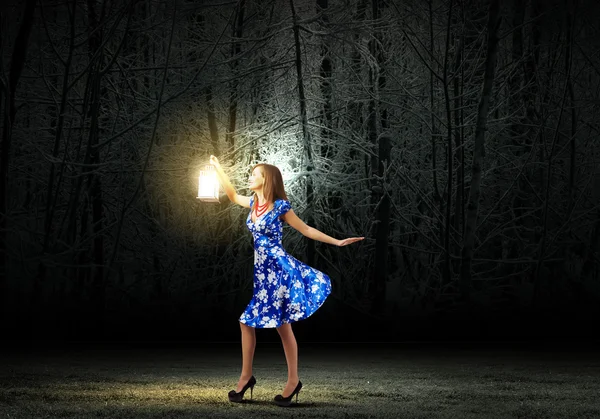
(286, 401)
(237, 397)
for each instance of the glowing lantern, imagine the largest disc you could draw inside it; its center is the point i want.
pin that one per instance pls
(208, 184)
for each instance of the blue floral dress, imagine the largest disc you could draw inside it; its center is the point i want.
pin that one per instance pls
(285, 289)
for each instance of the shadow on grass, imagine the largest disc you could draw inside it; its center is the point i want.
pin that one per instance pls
(294, 405)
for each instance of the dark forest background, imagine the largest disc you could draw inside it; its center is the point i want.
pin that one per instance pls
(459, 137)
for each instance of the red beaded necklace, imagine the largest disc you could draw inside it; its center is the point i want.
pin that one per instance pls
(260, 209)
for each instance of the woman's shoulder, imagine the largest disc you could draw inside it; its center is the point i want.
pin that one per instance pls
(283, 205)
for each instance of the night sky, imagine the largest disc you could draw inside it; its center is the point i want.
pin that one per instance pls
(460, 138)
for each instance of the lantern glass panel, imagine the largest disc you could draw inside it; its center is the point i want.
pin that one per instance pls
(208, 185)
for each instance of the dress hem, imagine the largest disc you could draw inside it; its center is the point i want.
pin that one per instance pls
(282, 322)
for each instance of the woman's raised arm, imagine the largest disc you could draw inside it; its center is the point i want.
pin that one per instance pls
(244, 201)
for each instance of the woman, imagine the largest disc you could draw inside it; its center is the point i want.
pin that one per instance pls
(285, 289)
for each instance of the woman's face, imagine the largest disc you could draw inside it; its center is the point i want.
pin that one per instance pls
(256, 180)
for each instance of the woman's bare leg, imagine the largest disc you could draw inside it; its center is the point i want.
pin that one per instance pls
(290, 348)
(248, 346)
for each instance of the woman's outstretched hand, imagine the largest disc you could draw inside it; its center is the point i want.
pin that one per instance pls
(351, 240)
(214, 161)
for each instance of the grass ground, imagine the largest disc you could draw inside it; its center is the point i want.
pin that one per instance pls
(340, 381)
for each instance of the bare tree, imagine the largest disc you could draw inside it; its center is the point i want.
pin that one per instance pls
(237, 28)
(124, 107)
(308, 157)
(479, 151)
(8, 87)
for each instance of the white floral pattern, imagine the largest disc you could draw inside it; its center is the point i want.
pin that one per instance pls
(285, 289)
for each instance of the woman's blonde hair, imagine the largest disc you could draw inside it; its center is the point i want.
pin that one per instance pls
(273, 186)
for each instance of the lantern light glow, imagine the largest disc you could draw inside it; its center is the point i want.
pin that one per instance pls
(208, 185)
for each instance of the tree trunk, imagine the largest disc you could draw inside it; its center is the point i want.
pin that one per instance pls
(233, 96)
(212, 122)
(355, 108)
(479, 149)
(98, 287)
(589, 269)
(436, 190)
(570, 24)
(548, 180)
(329, 149)
(328, 146)
(16, 67)
(446, 272)
(309, 165)
(51, 195)
(459, 207)
(383, 229)
(380, 200)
